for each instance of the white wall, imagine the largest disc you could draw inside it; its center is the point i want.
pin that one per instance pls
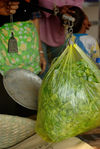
(92, 12)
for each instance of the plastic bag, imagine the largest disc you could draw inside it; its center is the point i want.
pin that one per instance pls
(69, 98)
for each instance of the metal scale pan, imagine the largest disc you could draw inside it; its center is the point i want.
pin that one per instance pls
(23, 86)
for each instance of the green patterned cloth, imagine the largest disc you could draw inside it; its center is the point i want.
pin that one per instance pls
(28, 53)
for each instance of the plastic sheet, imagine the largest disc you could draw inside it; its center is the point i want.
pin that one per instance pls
(69, 99)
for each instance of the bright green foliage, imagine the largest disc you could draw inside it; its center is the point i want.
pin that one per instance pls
(69, 99)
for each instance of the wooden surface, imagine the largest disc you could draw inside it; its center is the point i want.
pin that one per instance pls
(92, 137)
(35, 142)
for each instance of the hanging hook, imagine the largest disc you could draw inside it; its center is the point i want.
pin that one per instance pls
(56, 10)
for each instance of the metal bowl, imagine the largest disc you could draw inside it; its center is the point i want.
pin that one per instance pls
(23, 86)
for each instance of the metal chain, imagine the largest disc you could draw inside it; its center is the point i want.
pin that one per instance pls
(56, 10)
(70, 27)
(68, 31)
(11, 21)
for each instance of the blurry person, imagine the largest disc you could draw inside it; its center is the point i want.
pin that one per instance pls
(30, 55)
(52, 33)
(86, 42)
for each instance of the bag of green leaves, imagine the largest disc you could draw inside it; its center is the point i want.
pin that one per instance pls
(69, 98)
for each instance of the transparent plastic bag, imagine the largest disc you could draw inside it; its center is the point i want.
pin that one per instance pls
(69, 98)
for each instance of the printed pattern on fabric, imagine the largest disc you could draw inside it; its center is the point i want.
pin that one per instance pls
(88, 44)
(28, 45)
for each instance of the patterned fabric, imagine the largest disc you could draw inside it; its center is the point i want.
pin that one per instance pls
(89, 45)
(28, 54)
